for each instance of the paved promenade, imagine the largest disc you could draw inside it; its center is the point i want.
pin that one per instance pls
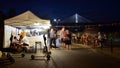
(115, 52)
(79, 56)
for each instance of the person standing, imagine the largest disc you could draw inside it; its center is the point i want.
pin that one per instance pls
(44, 38)
(68, 38)
(52, 38)
(100, 39)
(62, 35)
(11, 39)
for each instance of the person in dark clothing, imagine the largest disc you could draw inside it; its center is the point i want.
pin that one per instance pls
(44, 38)
(11, 39)
(68, 38)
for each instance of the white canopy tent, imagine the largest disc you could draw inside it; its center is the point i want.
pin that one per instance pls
(23, 21)
(27, 19)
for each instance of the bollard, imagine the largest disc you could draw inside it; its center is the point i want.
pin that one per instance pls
(11, 59)
(48, 57)
(32, 57)
(22, 55)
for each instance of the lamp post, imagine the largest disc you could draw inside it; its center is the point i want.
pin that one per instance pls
(56, 21)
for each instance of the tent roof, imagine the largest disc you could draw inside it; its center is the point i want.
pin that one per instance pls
(76, 18)
(26, 19)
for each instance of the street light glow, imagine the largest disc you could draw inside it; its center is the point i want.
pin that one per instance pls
(55, 20)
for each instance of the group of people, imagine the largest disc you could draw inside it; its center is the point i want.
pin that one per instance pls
(63, 36)
(100, 39)
(19, 41)
(56, 38)
(97, 39)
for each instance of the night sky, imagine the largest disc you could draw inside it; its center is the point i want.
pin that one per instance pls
(95, 10)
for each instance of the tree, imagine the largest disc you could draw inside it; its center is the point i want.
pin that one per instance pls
(2, 18)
